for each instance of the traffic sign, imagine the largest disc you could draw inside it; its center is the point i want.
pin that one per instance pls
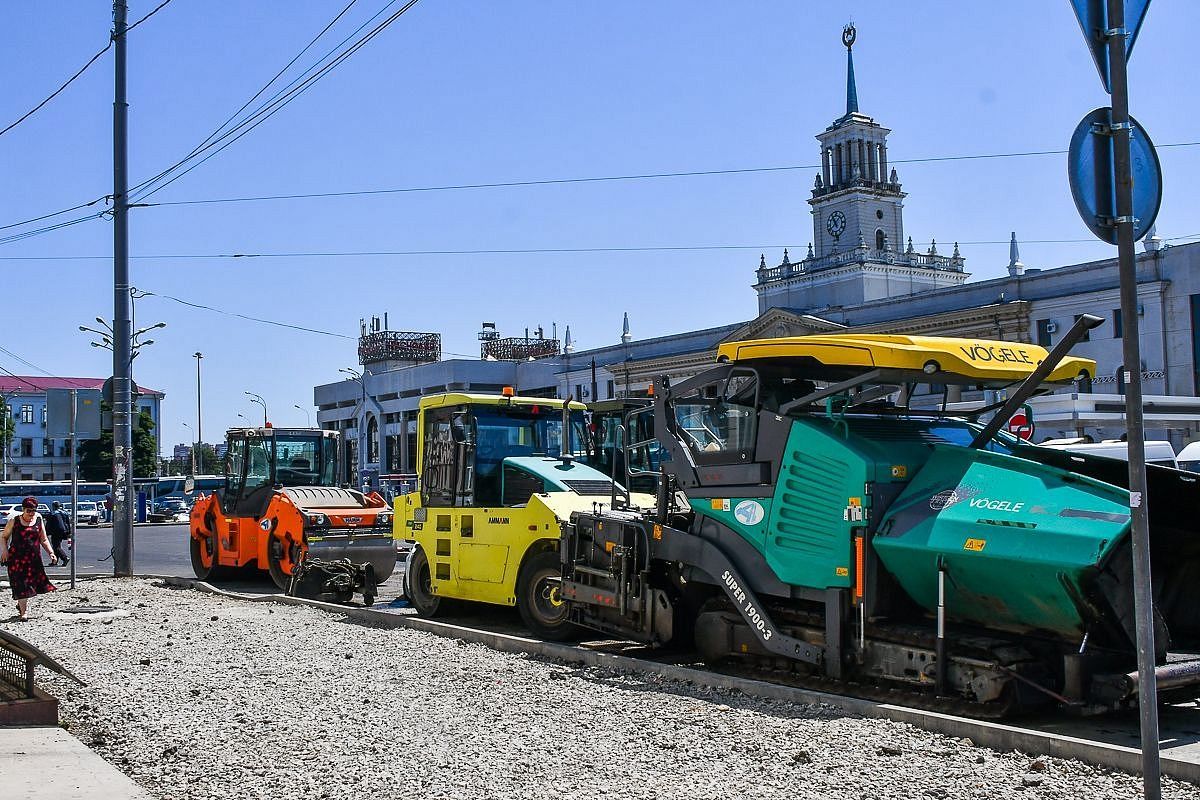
(1021, 425)
(87, 413)
(1092, 173)
(1093, 21)
(107, 391)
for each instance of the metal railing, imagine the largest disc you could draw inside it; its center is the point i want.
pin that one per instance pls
(860, 255)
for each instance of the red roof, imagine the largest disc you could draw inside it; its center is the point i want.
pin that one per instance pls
(30, 383)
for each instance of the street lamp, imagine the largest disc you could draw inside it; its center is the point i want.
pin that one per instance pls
(307, 416)
(199, 420)
(190, 433)
(254, 398)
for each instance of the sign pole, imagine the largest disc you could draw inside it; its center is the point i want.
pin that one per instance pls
(1142, 595)
(74, 482)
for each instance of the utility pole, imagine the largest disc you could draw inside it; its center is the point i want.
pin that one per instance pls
(123, 496)
(1143, 595)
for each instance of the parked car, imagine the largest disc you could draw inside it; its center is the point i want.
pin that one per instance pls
(89, 513)
(171, 509)
(1157, 452)
(10, 510)
(1189, 457)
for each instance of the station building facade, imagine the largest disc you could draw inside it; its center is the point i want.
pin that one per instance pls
(861, 274)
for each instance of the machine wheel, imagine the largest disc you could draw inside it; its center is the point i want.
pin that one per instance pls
(204, 560)
(542, 609)
(418, 585)
(282, 557)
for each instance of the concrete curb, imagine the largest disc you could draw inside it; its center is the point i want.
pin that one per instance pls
(989, 734)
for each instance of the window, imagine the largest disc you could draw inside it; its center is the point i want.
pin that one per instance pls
(880, 239)
(27, 413)
(47, 450)
(1120, 376)
(44, 415)
(372, 440)
(718, 423)
(1196, 341)
(1043, 332)
(579, 391)
(27, 448)
(1087, 335)
(612, 390)
(1118, 324)
(305, 460)
(47, 476)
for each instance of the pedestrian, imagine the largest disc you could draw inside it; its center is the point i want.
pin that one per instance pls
(58, 526)
(19, 543)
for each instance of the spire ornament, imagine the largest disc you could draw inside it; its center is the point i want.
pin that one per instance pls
(849, 34)
(1015, 267)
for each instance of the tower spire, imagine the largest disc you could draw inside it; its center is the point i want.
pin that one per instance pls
(1015, 267)
(848, 36)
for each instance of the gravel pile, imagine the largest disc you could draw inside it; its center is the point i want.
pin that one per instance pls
(196, 696)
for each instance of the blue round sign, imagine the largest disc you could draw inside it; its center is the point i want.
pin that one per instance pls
(1092, 174)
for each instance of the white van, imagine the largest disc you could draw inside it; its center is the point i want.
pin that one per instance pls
(1160, 453)
(1189, 457)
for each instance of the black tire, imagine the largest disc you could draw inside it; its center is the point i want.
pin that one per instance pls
(275, 554)
(542, 610)
(418, 585)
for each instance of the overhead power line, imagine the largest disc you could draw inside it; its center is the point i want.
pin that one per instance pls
(598, 178)
(512, 251)
(82, 70)
(268, 109)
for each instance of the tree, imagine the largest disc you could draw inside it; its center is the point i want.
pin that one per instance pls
(96, 455)
(207, 462)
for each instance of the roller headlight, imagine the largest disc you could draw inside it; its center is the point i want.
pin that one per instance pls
(384, 520)
(318, 520)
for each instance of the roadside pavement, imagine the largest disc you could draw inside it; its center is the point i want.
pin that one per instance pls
(51, 764)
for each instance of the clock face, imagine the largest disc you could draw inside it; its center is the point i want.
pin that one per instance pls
(836, 224)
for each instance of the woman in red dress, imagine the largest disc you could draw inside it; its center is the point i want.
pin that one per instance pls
(23, 534)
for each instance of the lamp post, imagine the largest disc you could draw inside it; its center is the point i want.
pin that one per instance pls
(191, 433)
(307, 416)
(254, 398)
(199, 420)
(122, 339)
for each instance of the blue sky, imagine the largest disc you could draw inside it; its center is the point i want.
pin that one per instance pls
(482, 92)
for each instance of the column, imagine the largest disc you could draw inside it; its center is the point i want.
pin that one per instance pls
(883, 167)
(825, 164)
(862, 159)
(872, 162)
(837, 163)
(402, 442)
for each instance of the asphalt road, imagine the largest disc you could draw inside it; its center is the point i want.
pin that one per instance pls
(163, 550)
(157, 550)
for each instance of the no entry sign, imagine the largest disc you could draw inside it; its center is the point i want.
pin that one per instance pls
(1021, 425)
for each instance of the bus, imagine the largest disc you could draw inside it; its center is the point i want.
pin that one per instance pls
(49, 491)
(173, 487)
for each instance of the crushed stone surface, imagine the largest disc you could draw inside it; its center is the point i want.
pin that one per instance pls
(198, 696)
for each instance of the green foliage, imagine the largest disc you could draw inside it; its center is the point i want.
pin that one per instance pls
(96, 455)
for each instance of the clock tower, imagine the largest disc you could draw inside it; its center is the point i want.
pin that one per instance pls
(859, 252)
(856, 198)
